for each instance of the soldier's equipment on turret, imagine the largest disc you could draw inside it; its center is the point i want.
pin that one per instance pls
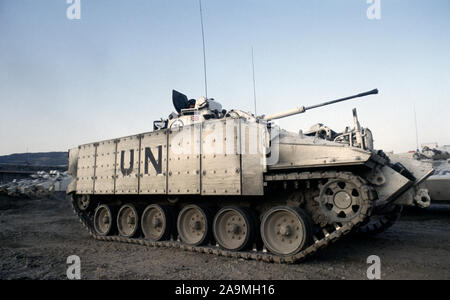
(302, 109)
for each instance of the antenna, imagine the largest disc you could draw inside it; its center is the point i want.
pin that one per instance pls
(204, 48)
(417, 133)
(254, 81)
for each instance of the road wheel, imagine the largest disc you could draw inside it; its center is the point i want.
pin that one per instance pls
(156, 222)
(233, 228)
(104, 220)
(128, 221)
(193, 225)
(286, 230)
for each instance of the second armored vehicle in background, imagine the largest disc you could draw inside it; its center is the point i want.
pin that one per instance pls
(438, 184)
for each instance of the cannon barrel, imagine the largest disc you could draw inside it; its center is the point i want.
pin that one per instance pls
(302, 109)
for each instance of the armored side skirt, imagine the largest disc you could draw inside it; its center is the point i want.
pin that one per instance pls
(210, 158)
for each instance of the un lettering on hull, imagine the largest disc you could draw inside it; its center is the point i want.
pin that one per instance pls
(153, 162)
(214, 158)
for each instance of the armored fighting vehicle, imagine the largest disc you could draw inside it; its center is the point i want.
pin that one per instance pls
(439, 183)
(234, 184)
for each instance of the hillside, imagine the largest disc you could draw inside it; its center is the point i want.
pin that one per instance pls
(36, 159)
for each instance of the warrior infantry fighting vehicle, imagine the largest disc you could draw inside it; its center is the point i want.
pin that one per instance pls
(234, 184)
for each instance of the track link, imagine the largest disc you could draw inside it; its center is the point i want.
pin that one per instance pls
(368, 197)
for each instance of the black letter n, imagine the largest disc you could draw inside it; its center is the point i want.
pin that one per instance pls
(156, 164)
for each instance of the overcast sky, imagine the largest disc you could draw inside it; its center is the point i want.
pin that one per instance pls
(110, 74)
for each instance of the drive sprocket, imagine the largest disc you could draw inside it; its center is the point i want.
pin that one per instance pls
(341, 199)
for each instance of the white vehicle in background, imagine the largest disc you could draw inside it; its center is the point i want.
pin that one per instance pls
(438, 184)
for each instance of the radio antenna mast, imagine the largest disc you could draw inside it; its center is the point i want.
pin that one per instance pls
(254, 81)
(204, 48)
(417, 133)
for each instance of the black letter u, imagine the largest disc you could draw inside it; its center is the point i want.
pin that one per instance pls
(128, 171)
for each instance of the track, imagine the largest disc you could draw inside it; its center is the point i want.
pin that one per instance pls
(368, 196)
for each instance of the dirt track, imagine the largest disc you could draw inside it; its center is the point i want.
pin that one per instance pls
(37, 236)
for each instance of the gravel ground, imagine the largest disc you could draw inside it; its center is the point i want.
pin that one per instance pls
(37, 236)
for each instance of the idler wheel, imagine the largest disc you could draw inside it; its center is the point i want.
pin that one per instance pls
(83, 202)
